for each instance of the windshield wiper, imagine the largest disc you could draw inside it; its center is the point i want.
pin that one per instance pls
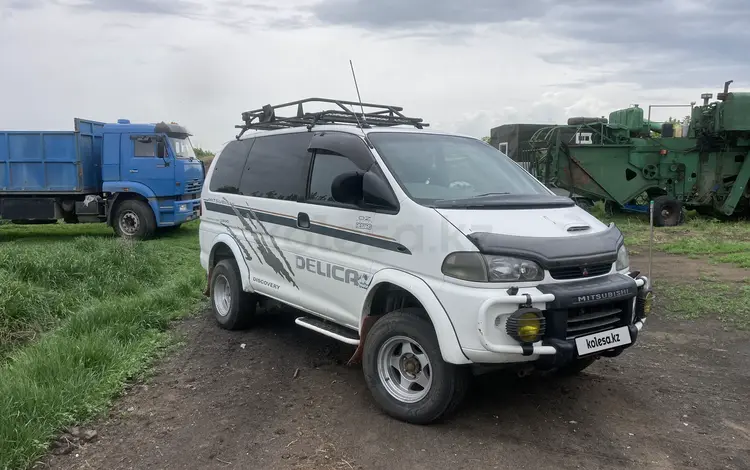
(490, 194)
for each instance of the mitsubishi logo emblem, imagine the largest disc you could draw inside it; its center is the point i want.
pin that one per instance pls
(585, 272)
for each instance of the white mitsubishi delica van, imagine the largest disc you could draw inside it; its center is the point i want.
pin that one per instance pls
(430, 252)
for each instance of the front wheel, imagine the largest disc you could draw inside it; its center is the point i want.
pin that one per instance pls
(134, 220)
(405, 371)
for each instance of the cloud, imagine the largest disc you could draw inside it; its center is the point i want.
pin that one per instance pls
(143, 7)
(405, 14)
(643, 41)
(465, 69)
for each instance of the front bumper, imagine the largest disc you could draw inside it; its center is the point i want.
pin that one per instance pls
(556, 347)
(185, 211)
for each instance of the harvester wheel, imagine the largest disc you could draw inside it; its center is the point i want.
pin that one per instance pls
(668, 212)
(585, 204)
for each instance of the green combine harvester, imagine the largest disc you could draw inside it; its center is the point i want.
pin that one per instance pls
(627, 161)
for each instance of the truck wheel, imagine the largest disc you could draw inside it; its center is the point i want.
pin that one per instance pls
(232, 307)
(668, 212)
(134, 220)
(405, 371)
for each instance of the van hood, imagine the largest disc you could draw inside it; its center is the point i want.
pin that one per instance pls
(543, 223)
(553, 237)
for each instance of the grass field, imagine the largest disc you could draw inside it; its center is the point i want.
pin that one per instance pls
(81, 312)
(717, 241)
(719, 247)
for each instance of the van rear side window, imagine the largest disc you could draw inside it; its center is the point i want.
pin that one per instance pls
(229, 167)
(276, 168)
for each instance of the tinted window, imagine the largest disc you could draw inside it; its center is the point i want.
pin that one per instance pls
(327, 166)
(276, 167)
(229, 166)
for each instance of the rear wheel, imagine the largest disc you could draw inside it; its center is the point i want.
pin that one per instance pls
(405, 371)
(134, 220)
(233, 308)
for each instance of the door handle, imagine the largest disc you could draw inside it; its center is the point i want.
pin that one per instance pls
(303, 220)
(134, 171)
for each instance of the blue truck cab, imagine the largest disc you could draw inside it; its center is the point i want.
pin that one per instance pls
(137, 178)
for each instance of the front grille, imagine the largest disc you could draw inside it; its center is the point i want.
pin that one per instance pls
(193, 186)
(593, 319)
(579, 272)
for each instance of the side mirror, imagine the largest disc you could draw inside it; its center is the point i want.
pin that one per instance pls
(376, 192)
(346, 188)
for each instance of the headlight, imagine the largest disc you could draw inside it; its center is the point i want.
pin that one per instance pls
(505, 268)
(478, 268)
(623, 259)
(182, 207)
(466, 266)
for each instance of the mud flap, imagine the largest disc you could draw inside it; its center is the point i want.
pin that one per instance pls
(367, 323)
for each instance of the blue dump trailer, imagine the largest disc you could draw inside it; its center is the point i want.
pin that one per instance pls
(137, 178)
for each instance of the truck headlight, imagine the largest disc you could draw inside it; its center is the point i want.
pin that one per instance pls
(182, 208)
(485, 268)
(623, 259)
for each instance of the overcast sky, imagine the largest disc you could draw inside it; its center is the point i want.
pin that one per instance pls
(463, 67)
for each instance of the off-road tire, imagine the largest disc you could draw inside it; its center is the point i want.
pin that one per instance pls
(676, 211)
(242, 306)
(449, 381)
(140, 212)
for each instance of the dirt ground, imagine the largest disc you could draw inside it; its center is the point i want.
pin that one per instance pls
(281, 397)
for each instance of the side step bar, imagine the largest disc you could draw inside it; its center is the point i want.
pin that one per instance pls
(345, 335)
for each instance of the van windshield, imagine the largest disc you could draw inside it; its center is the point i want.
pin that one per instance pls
(447, 170)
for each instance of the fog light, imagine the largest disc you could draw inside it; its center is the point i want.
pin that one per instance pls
(526, 325)
(182, 208)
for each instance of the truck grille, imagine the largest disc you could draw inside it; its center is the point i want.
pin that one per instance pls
(587, 320)
(579, 272)
(193, 186)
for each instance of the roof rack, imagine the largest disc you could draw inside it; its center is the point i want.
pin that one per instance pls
(382, 116)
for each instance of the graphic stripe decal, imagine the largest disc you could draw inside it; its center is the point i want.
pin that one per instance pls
(320, 229)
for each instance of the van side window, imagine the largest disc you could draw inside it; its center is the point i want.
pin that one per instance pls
(276, 167)
(327, 166)
(229, 165)
(144, 147)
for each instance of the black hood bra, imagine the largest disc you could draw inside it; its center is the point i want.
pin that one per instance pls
(554, 252)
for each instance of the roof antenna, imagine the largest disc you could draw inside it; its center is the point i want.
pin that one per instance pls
(364, 119)
(362, 124)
